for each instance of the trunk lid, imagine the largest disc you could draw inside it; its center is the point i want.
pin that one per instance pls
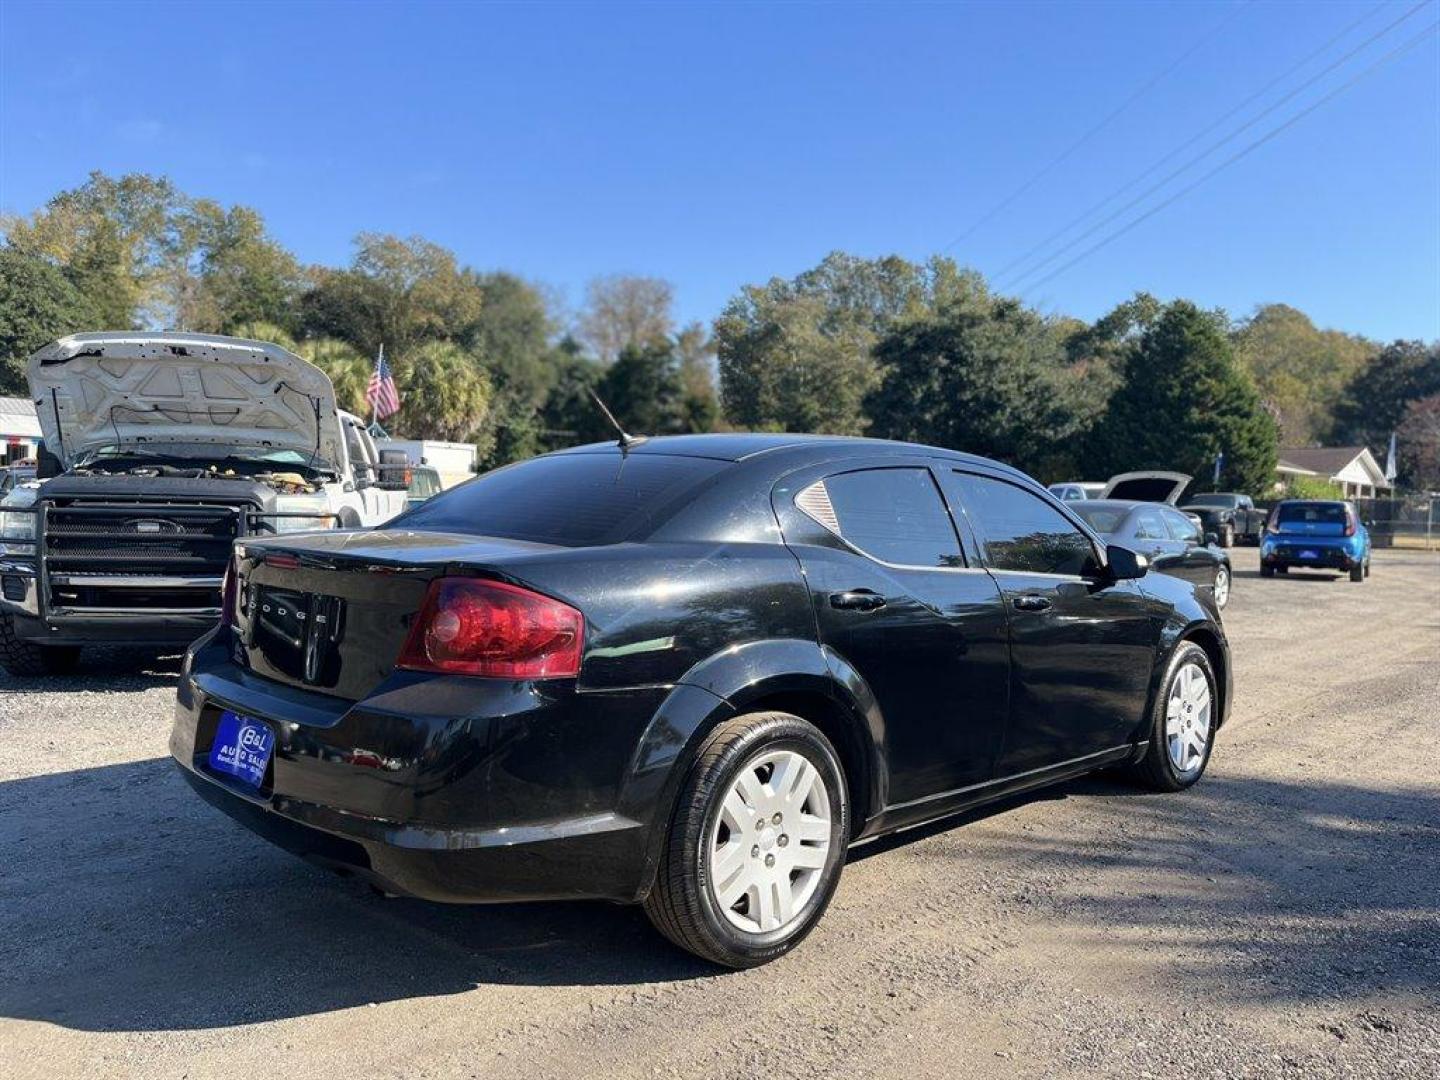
(131, 388)
(331, 612)
(1147, 486)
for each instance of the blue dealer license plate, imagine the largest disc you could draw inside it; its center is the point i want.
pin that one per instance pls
(242, 748)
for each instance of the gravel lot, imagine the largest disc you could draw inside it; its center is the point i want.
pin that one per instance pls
(1280, 920)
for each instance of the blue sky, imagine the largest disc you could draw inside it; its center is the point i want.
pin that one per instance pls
(717, 145)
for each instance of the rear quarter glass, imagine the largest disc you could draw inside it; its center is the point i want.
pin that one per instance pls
(573, 500)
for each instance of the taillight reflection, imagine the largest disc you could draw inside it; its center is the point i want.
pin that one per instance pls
(468, 626)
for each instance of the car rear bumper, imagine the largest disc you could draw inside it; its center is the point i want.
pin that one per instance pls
(444, 788)
(1319, 556)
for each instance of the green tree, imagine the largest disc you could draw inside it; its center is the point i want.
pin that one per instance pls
(569, 416)
(642, 388)
(1184, 399)
(796, 355)
(1300, 370)
(116, 240)
(244, 276)
(444, 394)
(1418, 439)
(38, 304)
(512, 336)
(1374, 401)
(399, 292)
(987, 376)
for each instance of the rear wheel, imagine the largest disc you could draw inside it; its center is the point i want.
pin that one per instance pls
(26, 658)
(1183, 718)
(757, 843)
(1357, 573)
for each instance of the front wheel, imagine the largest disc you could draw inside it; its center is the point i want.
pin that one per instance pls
(26, 658)
(1227, 536)
(1222, 586)
(757, 842)
(1267, 571)
(1182, 722)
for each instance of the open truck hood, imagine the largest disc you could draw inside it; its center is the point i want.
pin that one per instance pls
(1147, 486)
(129, 388)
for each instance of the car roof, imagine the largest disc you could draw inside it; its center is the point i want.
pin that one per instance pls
(742, 446)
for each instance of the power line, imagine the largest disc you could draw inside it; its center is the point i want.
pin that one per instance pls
(1272, 133)
(1218, 143)
(1019, 260)
(1009, 200)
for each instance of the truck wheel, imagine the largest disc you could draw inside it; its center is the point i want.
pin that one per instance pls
(757, 842)
(1227, 536)
(27, 658)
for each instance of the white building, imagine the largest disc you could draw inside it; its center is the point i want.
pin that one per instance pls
(1353, 469)
(19, 429)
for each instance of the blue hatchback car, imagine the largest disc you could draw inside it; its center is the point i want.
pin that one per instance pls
(1315, 534)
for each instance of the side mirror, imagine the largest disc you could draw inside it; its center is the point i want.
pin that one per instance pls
(394, 471)
(1123, 564)
(1212, 539)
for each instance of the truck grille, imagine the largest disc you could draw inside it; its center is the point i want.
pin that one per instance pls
(137, 557)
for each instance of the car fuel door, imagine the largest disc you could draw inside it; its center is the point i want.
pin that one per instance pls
(899, 610)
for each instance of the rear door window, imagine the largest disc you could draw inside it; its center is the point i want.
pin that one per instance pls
(1022, 531)
(896, 516)
(1149, 525)
(575, 500)
(1182, 528)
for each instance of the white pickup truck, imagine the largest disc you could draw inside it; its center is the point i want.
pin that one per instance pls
(160, 451)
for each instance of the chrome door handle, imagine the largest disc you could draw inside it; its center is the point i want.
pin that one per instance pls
(857, 600)
(1031, 603)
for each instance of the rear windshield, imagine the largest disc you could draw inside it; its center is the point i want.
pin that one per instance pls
(1326, 513)
(576, 500)
(1215, 500)
(1099, 518)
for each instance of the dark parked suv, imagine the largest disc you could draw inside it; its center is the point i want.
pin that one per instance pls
(688, 672)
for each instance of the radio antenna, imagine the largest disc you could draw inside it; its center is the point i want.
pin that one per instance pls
(626, 440)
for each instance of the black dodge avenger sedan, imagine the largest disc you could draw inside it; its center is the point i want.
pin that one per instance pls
(687, 672)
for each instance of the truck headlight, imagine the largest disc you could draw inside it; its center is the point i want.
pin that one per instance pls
(301, 504)
(15, 530)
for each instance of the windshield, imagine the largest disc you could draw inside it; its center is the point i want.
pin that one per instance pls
(575, 500)
(1215, 500)
(1314, 513)
(1101, 518)
(198, 455)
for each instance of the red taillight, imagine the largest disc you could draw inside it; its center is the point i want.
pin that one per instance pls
(1349, 524)
(228, 590)
(468, 626)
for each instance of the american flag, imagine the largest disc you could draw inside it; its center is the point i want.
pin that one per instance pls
(382, 395)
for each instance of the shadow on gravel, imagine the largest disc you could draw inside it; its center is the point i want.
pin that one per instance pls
(130, 905)
(117, 670)
(1267, 891)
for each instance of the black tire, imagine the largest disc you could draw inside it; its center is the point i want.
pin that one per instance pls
(1227, 536)
(1267, 571)
(1357, 573)
(681, 904)
(1282, 569)
(1367, 567)
(25, 658)
(1156, 769)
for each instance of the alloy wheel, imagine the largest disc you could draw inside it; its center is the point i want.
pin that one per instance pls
(770, 842)
(1222, 587)
(1187, 718)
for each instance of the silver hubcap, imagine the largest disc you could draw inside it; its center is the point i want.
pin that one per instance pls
(1222, 587)
(770, 842)
(1187, 718)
